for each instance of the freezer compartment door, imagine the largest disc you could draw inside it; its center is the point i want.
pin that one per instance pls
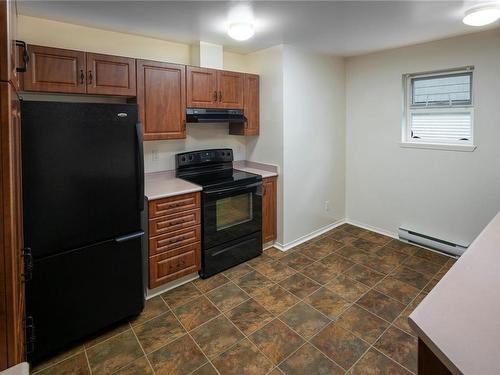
(79, 292)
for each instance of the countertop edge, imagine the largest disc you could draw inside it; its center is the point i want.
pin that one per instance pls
(444, 310)
(433, 347)
(173, 194)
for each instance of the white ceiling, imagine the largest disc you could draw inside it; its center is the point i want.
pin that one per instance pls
(334, 27)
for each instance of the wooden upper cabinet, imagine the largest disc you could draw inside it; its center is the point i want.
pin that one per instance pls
(230, 89)
(250, 107)
(55, 70)
(9, 56)
(161, 95)
(110, 75)
(269, 209)
(251, 104)
(201, 88)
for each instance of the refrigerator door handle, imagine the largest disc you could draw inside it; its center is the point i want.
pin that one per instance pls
(128, 237)
(140, 166)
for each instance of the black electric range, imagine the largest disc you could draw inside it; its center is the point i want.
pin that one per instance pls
(231, 208)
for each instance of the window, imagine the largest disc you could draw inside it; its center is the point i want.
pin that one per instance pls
(439, 109)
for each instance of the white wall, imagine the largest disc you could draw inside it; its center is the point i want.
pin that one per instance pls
(314, 142)
(64, 35)
(268, 146)
(302, 105)
(448, 194)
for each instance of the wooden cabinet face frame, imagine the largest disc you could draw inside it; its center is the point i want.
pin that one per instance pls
(11, 230)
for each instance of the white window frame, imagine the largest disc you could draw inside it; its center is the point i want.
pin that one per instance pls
(408, 110)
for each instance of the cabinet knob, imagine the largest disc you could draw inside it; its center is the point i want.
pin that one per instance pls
(90, 77)
(220, 96)
(82, 76)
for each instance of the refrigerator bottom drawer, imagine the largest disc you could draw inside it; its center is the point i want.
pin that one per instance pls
(79, 292)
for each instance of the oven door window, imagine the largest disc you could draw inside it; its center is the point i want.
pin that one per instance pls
(234, 210)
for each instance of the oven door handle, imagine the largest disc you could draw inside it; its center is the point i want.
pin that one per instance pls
(230, 190)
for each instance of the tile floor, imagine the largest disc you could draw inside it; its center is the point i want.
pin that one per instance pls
(336, 304)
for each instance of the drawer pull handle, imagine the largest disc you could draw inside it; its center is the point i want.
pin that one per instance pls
(175, 240)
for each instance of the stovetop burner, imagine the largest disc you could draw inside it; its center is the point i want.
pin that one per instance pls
(217, 179)
(211, 168)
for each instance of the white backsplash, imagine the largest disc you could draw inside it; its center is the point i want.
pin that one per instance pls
(199, 137)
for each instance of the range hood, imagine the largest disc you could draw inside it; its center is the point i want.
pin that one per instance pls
(207, 116)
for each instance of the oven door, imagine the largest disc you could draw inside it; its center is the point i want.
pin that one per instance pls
(231, 213)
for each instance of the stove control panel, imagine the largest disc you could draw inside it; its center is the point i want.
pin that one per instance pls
(201, 157)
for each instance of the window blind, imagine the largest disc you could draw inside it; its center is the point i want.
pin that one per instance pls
(441, 127)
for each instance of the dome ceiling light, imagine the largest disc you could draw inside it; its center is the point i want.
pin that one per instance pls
(482, 16)
(240, 31)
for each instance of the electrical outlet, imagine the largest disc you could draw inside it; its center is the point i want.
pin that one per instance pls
(156, 155)
(327, 205)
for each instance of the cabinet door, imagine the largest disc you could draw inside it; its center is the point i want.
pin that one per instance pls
(269, 209)
(161, 95)
(11, 231)
(9, 58)
(55, 70)
(251, 104)
(201, 88)
(230, 89)
(110, 75)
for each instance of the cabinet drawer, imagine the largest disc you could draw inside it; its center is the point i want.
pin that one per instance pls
(173, 240)
(167, 224)
(172, 205)
(164, 268)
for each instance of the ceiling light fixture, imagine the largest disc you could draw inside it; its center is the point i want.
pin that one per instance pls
(240, 30)
(481, 16)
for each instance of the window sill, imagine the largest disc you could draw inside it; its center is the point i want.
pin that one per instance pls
(436, 146)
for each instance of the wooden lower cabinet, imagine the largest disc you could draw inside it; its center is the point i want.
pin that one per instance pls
(166, 267)
(428, 362)
(269, 209)
(174, 238)
(11, 231)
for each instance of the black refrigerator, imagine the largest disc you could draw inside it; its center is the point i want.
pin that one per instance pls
(83, 193)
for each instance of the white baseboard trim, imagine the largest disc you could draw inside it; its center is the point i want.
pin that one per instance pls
(268, 245)
(372, 228)
(310, 236)
(393, 235)
(171, 285)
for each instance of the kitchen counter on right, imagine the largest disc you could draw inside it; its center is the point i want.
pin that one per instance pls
(265, 170)
(458, 323)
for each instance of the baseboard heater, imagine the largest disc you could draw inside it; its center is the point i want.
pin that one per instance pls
(431, 242)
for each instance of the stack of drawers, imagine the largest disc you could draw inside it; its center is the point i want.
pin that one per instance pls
(174, 238)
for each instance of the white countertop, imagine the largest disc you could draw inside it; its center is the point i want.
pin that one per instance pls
(460, 318)
(265, 170)
(164, 184)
